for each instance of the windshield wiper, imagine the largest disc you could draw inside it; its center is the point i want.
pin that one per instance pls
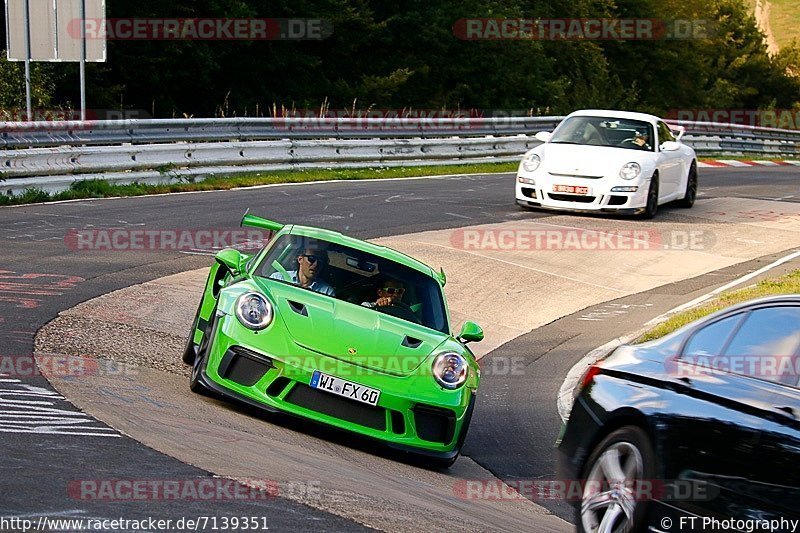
(564, 142)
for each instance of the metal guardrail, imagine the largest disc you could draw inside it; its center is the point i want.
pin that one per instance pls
(51, 133)
(52, 155)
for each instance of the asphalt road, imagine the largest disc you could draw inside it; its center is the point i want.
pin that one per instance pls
(41, 276)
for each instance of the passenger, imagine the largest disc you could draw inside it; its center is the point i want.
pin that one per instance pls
(389, 293)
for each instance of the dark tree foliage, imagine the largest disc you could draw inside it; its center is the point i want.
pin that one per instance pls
(405, 55)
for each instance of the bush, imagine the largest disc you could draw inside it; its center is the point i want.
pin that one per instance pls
(92, 188)
(32, 195)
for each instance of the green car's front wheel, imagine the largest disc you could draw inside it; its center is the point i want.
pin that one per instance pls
(189, 350)
(195, 381)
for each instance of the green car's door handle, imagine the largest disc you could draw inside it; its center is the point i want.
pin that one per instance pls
(298, 308)
(411, 342)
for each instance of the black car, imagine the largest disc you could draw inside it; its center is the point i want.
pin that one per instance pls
(696, 431)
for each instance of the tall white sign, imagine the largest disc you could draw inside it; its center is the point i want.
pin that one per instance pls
(52, 30)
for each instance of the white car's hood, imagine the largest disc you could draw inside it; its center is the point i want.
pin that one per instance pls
(585, 160)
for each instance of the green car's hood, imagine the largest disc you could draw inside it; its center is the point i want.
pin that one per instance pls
(350, 332)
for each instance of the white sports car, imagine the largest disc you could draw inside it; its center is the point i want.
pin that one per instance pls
(608, 161)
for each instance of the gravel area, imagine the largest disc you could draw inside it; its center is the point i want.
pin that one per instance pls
(121, 343)
(144, 325)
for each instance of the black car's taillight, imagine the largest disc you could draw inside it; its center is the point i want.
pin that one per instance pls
(586, 379)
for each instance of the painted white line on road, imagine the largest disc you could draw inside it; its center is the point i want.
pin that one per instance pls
(564, 400)
(42, 416)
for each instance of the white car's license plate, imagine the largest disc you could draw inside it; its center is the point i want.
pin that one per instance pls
(571, 189)
(344, 388)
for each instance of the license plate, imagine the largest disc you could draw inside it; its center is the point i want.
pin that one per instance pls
(344, 388)
(571, 189)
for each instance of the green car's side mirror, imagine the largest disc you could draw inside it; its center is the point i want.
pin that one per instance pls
(470, 332)
(230, 259)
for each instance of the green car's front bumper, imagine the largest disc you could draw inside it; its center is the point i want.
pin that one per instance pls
(413, 412)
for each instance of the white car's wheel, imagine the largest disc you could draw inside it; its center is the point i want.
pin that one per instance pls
(691, 188)
(651, 207)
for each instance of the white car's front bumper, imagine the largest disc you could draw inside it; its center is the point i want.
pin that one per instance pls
(600, 195)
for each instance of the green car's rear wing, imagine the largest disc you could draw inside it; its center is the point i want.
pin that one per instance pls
(258, 222)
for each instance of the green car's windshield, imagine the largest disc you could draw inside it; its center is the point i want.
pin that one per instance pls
(603, 131)
(357, 277)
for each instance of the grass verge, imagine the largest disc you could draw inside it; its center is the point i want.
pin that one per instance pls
(94, 188)
(787, 284)
(783, 21)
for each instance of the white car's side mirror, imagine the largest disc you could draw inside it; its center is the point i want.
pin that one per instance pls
(543, 136)
(670, 146)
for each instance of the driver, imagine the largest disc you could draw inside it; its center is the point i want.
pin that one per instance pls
(641, 140)
(310, 264)
(389, 293)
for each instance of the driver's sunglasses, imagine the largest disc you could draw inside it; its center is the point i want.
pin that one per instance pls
(313, 258)
(393, 290)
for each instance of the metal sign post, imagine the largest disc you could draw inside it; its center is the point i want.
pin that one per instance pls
(55, 30)
(27, 17)
(83, 60)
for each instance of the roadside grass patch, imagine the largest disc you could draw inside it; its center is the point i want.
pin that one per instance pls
(787, 284)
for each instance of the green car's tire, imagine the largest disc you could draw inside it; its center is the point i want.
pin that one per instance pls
(195, 383)
(444, 463)
(447, 463)
(189, 351)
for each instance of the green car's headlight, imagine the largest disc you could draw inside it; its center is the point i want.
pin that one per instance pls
(253, 310)
(450, 370)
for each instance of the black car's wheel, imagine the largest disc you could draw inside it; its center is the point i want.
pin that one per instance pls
(613, 481)
(651, 208)
(691, 188)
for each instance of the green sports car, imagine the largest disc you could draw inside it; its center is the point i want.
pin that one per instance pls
(339, 331)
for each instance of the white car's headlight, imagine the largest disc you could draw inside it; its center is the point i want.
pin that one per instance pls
(450, 370)
(630, 171)
(531, 162)
(253, 310)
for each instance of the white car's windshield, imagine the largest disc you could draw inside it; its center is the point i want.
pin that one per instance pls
(604, 131)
